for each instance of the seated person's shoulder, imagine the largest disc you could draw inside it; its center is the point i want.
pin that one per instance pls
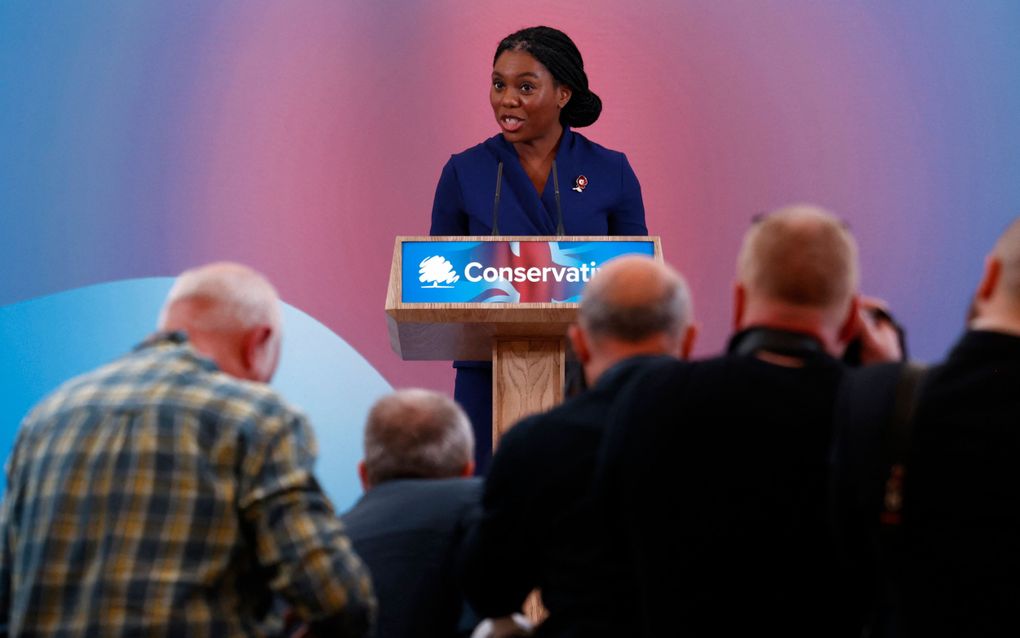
(462, 489)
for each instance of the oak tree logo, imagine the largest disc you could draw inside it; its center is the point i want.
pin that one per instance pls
(436, 270)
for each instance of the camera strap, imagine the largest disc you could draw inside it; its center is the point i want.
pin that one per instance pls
(784, 342)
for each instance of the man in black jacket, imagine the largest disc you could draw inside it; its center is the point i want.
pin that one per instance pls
(714, 473)
(419, 499)
(538, 527)
(948, 566)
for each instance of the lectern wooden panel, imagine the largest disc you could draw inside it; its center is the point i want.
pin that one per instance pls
(527, 376)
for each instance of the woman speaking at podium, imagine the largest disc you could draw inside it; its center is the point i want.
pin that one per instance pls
(537, 177)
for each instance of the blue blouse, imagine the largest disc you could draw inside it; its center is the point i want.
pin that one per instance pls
(599, 193)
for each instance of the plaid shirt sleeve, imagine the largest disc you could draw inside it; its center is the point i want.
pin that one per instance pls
(6, 540)
(299, 540)
(5, 564)
(5, 575)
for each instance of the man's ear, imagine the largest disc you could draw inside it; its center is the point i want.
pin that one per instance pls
(687, 341)
(851, 324)
(739, 305)
(990, 278)
(363, 475)
(579, 342)
(468, 469)
(257, 353)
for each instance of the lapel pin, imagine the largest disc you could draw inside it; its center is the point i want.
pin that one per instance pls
(580, 183)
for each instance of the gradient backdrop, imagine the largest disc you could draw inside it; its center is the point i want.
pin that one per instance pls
(138, 138)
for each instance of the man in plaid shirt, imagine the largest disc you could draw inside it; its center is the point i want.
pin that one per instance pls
(170, 493)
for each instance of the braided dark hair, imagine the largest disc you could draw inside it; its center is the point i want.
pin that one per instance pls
(559, 54)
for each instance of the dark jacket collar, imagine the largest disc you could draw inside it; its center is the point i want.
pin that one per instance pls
(986, 345)
(622, 368)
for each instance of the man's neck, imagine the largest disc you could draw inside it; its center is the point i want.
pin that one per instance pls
(618, 353)
(994, 323)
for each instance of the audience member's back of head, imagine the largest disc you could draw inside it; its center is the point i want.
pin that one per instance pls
(801, 255)
(416, 433)
(231, 314)
(222, 297)
(635, 306)
(997, 303)
(1007, 249)
(797, 265)
(633, 298)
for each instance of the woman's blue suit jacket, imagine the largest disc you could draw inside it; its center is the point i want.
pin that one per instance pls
(609, 204)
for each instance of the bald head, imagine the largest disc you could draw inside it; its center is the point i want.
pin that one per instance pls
(415, 433)
(231, 314)
(225, 296)
(1007, 252)
(800, 256)
(635, 305)
(997, 302)
(634, 297)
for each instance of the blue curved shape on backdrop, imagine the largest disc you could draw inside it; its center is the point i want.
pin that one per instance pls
(51, 339)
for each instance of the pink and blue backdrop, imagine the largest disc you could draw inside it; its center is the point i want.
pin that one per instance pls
(141, 138)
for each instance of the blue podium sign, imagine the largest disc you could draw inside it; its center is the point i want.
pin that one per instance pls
(507, 271)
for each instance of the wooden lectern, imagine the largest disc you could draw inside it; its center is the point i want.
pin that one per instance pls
(526, 341)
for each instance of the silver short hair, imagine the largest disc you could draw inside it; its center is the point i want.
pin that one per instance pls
(416, 433)
(236, 297)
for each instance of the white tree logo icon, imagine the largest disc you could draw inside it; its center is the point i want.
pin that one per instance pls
(436, 270)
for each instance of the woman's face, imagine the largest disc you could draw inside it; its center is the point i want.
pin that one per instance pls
(526, 99)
